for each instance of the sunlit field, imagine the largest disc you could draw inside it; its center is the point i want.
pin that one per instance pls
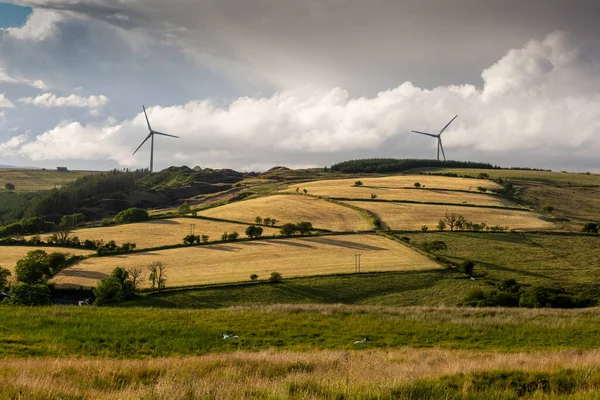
(292, 208)
(414, 216)
(29, 180)
(9, 255)
(235, 262)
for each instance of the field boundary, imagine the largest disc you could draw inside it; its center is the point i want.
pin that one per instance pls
(431, 203)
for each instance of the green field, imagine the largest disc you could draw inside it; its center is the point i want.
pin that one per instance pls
(32, 180)
(568, 178)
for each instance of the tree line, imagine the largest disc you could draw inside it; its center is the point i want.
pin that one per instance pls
(388, 165)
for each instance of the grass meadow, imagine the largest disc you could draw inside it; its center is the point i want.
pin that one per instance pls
(537, 259)
(293, 208)
(161, 232)
(407, 373)
(400, 216)
(403, 181)
(422, 195)
(31, 180)
(561, 178)
(236, 261)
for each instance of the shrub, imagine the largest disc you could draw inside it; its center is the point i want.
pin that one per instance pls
(4, 274)
(9, 186)
(405, 239)
(467, 267)
(184, 209)
(475, 298)
(548, 209)
(373, 196)
(590, 227)
(304, 228)
(107, 222)
(133, 214)
(28, 294)
(534, 297)
(288, 229)
(424, 228)
(509, 285)
(441, 225)
(190, 239)
(232, 237)
(34, 268)
(224, 236)
(482, 189)
(204, 238)
(253, 277)
(417, 185)
(358, 183)
(434, 245)
(109, 290)
(254, 231)
(275, 277)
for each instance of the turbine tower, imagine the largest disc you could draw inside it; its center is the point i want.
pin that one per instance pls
(439, 138)
(151, 136)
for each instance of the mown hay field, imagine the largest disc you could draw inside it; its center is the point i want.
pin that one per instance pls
(293, 208)
(422, 195)
(235, 262)
(9, 255)
(161, 232)
(29, 180)
(555, 177)
(402, 181)
(413, 216)
(394, 373)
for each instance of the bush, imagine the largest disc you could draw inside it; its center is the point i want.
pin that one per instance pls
(373, 196)
(424, 228)
(184, 209)
(109, 290)
(548, 209)
(590, 227)
(358, 183)
(275, 277)
(482, 189)
(417, 185)
(204, 238)
(434, 245)
(34, 268)
(253, 277)
(133, 214)
(254, 231)
(191, 239)
(475, 298)
(304, 228)
(232, 237)
(9, 186)
(288, 229)
(4, 274)
(467, 267)
(27, 294)
(534, 297)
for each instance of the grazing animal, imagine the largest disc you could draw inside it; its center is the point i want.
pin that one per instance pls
(227, 336)
(365, 340)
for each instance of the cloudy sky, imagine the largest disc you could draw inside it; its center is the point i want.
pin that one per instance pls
(250, 84)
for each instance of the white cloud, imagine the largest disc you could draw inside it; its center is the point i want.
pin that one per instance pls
(50, 100)
(4, 102)
(543, 97)
(41, 25)
(8, 148)
(6, 78)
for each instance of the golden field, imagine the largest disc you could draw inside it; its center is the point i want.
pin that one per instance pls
(271, 374)
(236, 261)
(422, 195)
(29, 180)
(413, 216)
(293, 208)
(161, 232)
(402, 181)
(9, 255)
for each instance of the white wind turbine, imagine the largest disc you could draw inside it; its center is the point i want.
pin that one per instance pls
(151, 136)
(439, 138)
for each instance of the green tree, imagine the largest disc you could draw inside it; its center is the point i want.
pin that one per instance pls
(534, 297)
(275, 277)
(417, 185)
(253, 277)
(451, 220)
(467, 267)
(258, 220)
(205, 238)
(441, 225)
(184, 209)
(254, 231)
(232, 237)
(274, 221)
(34, 268)
(109, 290)
(267, 221)
(288, 229)
(56, 261)
(304, 228)
(358, 183)
(4, 274)
(590, 227)
(28, 294)
(133, 214)
(9, 186)
(424, 228)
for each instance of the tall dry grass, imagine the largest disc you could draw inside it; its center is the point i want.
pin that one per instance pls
(268, 374)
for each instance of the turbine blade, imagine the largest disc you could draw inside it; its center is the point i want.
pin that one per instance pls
(164, 134)
(147, 121)
(448, 124)
(145, 140)
(423, 133)
(442, 147)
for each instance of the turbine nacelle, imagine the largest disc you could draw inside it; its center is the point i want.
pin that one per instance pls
(151, 136)
(439, 138)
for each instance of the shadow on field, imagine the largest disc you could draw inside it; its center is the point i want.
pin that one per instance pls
(346, 244)
(497, 267)
(162, 222)
(295, 244)
(84, 274)
(221, 247)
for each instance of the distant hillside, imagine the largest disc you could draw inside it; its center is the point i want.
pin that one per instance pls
(389, 165)
(105, 194)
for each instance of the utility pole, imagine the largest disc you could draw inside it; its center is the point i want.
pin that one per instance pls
(192, 229)
(357, 262)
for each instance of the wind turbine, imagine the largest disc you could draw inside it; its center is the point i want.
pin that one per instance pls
(151, 136)
(439, 138)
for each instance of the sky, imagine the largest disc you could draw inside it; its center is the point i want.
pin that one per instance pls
(252, 84)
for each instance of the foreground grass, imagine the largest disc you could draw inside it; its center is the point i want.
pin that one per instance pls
(373, 374)
(138, 333)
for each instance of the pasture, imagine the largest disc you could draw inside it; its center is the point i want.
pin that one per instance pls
(162, 232)
(413, 216)
(421, 195)
(236, 261)
(562, 178)
(401, 182)
(293, 208)
(9, 255)
(31, 180)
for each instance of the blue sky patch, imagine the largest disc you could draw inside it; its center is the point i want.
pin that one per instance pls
(12, 15)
